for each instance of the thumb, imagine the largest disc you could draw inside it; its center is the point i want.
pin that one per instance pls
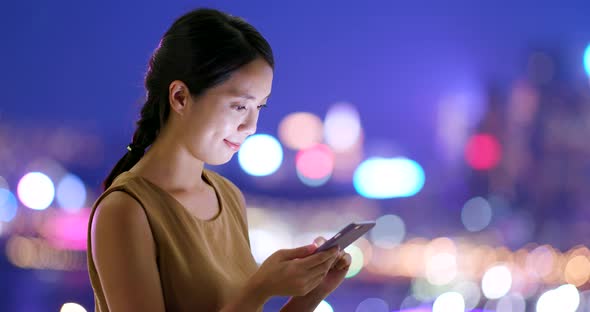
(299, 252)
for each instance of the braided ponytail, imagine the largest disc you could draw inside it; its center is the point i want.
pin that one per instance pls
(148, 127)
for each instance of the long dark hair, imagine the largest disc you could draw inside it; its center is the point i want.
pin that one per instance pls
(202, 49)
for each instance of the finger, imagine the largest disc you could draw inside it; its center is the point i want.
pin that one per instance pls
(317, 279)
(318, 241)
(300, 252)
(344, 262)
(319, 258)
(322, 268)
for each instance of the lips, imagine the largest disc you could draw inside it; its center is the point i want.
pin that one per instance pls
(232, 145)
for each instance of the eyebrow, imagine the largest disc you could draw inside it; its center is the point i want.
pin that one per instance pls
(250, 97)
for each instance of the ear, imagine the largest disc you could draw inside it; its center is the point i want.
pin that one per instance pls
(179, 96)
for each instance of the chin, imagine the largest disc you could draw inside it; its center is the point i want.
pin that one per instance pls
(216, 161)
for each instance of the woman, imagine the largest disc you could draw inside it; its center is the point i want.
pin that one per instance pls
(169, 235)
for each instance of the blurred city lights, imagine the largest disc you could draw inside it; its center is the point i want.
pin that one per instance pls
(382, 178)
(577, 270)
(324, 306)
(315, 165)
(357, 262)
(301, 130)
(342, 127)
(524, 103)
(540, 261)
(389, 231)
(476, 214)
(72, 307)
(373, 305)
(260, 155)
(483, 152)
(71, 193)
(457, 115)
(565, 298)
(511, 303)
(67, 230)
(8, 205)
(587, 60)
(496, 282)
(34, 253)
(449, 302)
(266, 241)
(36, 191)
(470, 292)
(441, 268)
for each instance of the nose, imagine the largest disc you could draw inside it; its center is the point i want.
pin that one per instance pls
(248, 125)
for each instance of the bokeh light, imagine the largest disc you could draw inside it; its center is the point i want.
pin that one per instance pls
(587, 60)
(36, 191)
(71, 193)
(315, 165)
(72, 307)
(577, 270)
(301, 130)
(342, 126)
(8, 205)
(441, 268)
(539, 262)
(35, 253)
(511, 303)
(565, 298)
(373, 305)
(483, 152)
(449, 302)
(476, 214)
(382, 178)
(496, 282)
(266, 241)
(260, 155)
(470, 292)
(357, 262)
(324, 306)
(67, 230)
(389, 231)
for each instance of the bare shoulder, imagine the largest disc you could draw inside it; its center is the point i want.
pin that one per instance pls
(124, 254)
(119, 214)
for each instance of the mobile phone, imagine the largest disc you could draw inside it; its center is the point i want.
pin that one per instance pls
(347, 235)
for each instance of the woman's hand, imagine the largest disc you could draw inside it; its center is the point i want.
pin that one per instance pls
(332, 279)
(334, 276)
(296, 272)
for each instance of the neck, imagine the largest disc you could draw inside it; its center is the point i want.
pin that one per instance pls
(170, 165)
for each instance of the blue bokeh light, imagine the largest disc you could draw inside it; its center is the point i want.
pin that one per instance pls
(261, 155)
(383, 178)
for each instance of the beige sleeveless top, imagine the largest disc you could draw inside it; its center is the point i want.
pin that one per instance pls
(202, 264)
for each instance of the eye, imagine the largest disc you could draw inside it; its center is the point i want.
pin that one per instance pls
(239, 107)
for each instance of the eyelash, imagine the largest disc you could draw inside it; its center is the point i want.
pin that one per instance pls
(241, 107)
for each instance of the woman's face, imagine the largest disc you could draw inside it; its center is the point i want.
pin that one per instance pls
(215, 124)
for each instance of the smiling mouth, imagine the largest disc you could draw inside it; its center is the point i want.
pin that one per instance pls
(232, 145)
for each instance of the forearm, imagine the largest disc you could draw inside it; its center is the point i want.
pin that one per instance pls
(306, 303)
(250, 298)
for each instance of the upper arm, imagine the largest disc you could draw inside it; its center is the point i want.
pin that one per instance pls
(124, 254)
